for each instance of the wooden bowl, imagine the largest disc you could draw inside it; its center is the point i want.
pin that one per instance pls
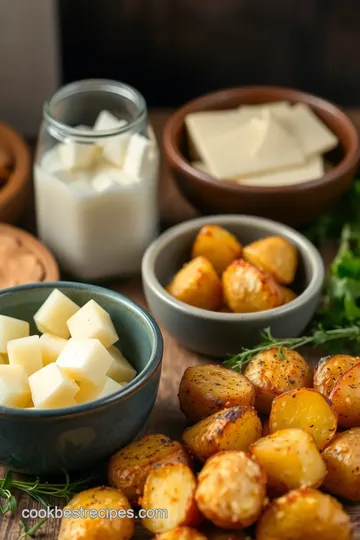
(294, 205)
(15, 190)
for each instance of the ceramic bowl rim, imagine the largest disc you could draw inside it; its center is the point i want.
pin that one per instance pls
(138, 382)
(177, 159)
(310, 253)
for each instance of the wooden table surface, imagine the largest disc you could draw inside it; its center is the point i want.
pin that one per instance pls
(166, 417)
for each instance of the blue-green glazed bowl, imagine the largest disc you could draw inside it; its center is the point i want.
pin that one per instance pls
(45, 442)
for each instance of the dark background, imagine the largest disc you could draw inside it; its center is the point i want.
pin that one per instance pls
(174, 50)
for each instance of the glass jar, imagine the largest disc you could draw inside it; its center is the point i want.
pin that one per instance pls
(96, 179)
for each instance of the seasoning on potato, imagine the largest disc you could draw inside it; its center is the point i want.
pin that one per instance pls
(305, 409)
(345, 398)
(275, 255)
(130, 466)
(99, 524)
(197, 284)
(304, 514)
(172, 487)
(206, 389)
(248, 289)
(231, 490)
(290, 459)
(342, 459)
(235, 428)
(181, 533)
(217, 245)
(274, 372)
(329, 371)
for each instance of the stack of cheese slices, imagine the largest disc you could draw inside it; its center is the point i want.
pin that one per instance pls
(274, 144)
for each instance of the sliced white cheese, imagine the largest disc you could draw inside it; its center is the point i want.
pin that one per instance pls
(114, 148)
(11, 328)
(26, 352)
(51, 347)
(14, 386)
(279, 109)
(313, 168)
(138, 156)
(53, 315)
(92, 321)
(51, 388)
(120, 370)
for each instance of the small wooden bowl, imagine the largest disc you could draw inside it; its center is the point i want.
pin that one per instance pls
(294, 205)
(14, 192)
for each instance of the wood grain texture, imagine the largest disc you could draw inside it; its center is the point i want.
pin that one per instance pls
(166, 416)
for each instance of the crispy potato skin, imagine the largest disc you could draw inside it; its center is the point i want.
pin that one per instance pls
(342, 459)
(345, 398)
(206, 389)
(304, 513)
(231, 490)
(290, 459)
(274, 372)
(305, 409)
(197, 284)
(181, 533)
(217, 245)
(171, 487)
(288, 294)
(96, 528)
(248, 289)
(129, 467)
(235, 428)
(329, 371)
(274, 255)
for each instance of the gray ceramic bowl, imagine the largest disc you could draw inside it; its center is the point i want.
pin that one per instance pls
(45, 442)
(220, 334)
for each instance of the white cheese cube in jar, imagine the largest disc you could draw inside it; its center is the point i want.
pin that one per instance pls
(138, 156)
(79, 155)
(85, 360)
(51, 347)
(26, 352)
(92, 321)
(120, 370)
(11, 328)
(54, 313)
(14, 386)
(113, 147)
(52, 388)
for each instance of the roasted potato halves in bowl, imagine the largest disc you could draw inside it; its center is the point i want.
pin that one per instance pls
(287, 311)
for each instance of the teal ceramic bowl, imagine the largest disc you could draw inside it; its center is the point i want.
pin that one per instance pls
(45, 442)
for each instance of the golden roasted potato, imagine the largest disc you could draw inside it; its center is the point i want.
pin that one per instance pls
(207, 389)
(111, 519)
(197, 284)
(290, 459)
(275, 255)
(304, 514)
(329, 371)
(342, 459)
(235, 428)
(231, 490)
(129, 467)
(248, 289)
(274, 372)
(345, 398)
(170, 487)
(227, 535)
(217, 245)
(304, 409)
(181, 533)
(288, 294)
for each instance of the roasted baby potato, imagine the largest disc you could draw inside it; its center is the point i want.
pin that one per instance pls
(129, 467)
(207, 389)
(231, 490)
(217, 245)
(329, 371)
(345, 398)
(227, 535)
(102, 500)
(275, 255)
(197, 284)
(274, 372)
(288, 294)
(181, 533)
(290, 459)
(342, 459)
(229, 429)
(305, 409)
(170, 487)
(304, 514)
(248, 289)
